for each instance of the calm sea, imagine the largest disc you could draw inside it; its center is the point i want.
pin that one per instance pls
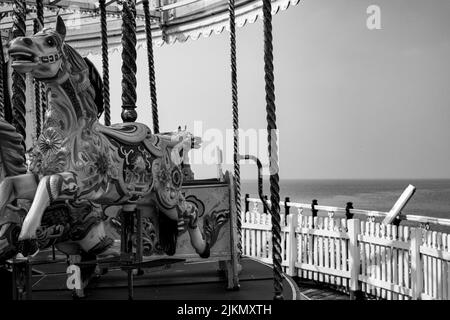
(432, 197)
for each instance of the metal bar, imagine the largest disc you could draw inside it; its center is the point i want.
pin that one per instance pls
(273, 149)
(105, 62)
(129, 67)
(18, 85)
(151, 67)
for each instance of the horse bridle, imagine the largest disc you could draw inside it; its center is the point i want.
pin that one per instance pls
(51, 58)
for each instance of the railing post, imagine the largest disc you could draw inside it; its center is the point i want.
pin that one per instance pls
(348, 214)
(292, 222)
(314, 211)
(247, 203)
(354, 258)
(416, 264)
(286, 207)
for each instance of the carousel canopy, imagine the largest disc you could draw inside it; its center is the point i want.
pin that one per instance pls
(172, 20)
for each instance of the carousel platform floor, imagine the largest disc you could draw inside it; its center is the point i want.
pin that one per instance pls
(180, 281)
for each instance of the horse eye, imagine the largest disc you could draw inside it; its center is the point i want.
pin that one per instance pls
(50, 42)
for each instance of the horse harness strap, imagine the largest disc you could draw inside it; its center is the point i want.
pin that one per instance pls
(51, 58)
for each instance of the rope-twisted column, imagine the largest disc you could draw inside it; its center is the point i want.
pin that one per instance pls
(18, 85)
(234, 98)
(105, 63)
(129, 61)
(151, 66)
(273, 150)
(37, 91)
(40, 17)
(2, 91)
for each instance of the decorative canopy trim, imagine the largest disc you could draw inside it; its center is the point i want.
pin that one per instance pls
(201, 18)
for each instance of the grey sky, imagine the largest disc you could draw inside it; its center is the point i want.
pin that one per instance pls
(351, 103)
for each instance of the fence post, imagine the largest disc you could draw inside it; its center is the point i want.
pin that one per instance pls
(416, 264)
(314, 211)
(292, 222)
(286, 207)
(247, 203)
(354, 258)
(348, 214)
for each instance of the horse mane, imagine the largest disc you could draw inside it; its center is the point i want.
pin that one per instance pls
(79, 64)
(12, 151)
(97, 83)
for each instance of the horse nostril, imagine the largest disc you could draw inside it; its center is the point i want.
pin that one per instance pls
(27, 41)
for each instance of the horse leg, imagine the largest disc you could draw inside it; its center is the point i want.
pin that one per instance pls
(18, 187)
(50, 188)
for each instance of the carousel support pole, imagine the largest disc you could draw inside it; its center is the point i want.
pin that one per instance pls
(105, 62)
(129, 109)
(129, 61)
(273, 150)
(43, 90)
(18, 85)
(128, 212)
(43, 99)
(151, 66)
(139, 251)
(234, 98)
(2, 71)
(37, 90)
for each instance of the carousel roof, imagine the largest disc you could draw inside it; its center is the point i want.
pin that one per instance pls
(172, 20)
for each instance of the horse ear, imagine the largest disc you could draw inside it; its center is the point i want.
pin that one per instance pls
(61, 27)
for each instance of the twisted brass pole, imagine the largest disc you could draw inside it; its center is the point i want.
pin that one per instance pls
(2, 71)
(18, 85)
(43, 91)
(151, 66)
(129, 61)
(235, 109)
(37, 91)
(273, 150)
(105, 62)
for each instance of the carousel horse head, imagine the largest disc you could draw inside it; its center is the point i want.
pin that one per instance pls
(41, 54)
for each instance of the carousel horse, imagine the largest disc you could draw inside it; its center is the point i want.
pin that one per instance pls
(73, 227)
(77, 159)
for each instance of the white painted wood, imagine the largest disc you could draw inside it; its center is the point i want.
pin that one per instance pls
(400, 204)
(321, 255)
(344, 253)
(406, 255)
(438, 246)
(332, 251)
(389, 260)
(317, 269)
(292, 220)
(315, 251)
(416, 264)
(385, 285)
(326, 249)
(434, 266)
(394, 261)
(354, 259)
(338, 253)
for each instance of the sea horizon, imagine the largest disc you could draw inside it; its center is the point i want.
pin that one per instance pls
(432, 196)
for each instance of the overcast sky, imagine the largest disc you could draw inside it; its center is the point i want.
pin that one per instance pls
(351, 102)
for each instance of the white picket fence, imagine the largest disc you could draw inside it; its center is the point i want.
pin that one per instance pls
(385, 261)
